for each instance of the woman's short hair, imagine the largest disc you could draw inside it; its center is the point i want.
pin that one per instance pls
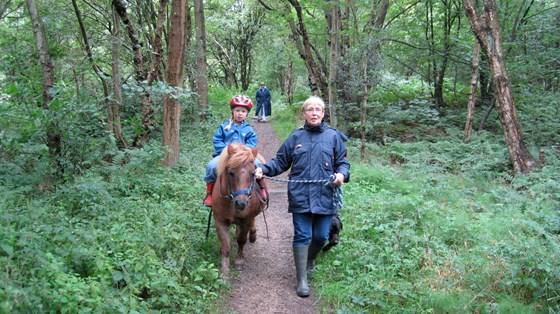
(313, 100)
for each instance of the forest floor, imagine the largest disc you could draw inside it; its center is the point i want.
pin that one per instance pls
(267, 284)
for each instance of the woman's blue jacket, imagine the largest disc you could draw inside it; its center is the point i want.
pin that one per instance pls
(312, 153)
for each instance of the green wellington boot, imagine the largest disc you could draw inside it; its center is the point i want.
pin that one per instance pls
(300, 258)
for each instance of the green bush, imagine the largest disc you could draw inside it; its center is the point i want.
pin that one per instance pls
(444, 230)
(128, 236)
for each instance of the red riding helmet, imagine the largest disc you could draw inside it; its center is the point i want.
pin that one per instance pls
(241, 101)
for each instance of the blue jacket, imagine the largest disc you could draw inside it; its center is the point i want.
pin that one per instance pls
(312, 153)
(243, 133)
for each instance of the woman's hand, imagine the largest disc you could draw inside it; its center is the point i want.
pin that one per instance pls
(339, 179)
(259, 173)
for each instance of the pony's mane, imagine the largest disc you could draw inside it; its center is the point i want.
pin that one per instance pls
(243, 154)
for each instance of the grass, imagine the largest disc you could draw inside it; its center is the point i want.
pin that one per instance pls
(434, 236)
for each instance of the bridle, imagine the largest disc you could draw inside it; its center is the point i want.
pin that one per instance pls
(231, 195)
(249, 191)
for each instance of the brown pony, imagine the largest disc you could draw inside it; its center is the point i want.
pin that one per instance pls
(236, 199)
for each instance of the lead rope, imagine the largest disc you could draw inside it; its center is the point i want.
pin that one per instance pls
(337, 196)
(263, 199)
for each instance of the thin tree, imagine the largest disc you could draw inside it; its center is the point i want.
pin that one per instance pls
(54, 136)
(248, 30)
(201, 68)
(369, 63)
(333, 17)
(316, 70)
(157, 44)
(486, 29)
(472, 92)
(288, 78)
(486, 87)
(175, 65)
(112, 127)
(141, 75)
(116, 103)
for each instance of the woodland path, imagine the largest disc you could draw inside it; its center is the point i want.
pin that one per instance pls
(268, 281)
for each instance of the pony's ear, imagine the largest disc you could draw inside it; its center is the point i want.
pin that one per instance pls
(231, 149)
(255, 152)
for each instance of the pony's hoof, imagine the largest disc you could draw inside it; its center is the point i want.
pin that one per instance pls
(239, 267)
(252, 237)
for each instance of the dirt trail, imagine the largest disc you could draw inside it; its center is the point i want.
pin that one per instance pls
(268, 281)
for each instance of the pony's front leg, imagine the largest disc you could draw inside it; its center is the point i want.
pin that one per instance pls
(241, 236)
(223, 236)
(253, 232)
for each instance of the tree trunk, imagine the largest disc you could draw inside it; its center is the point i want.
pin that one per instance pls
(114, 113)
(439, 56)
(54, 136)
(141, 75)
(487, 32)
(201, 77)
(248, 30)
(472, 93)
(226, 63)
(369, 63)
(317, 79)
(113, 120)
(430, 41)
(42, 46)
(486, 115)
(333, 22)
(157, 44)
(171, 107)
(288, 80)
(486, 89)
(363, 114)
(189, 76)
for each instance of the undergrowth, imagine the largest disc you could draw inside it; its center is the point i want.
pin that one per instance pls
(125, 237)
(431, 224)
(444, 228)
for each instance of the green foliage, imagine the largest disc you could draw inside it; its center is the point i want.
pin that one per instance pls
(125, 237)
(287, 120)
(444, 235)
(218, 101)
(537, 115)
(431, 224)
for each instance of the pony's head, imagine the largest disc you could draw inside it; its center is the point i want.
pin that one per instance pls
(234, 156)
(237, 171)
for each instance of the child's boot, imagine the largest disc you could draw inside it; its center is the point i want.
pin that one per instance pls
(208, 199)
